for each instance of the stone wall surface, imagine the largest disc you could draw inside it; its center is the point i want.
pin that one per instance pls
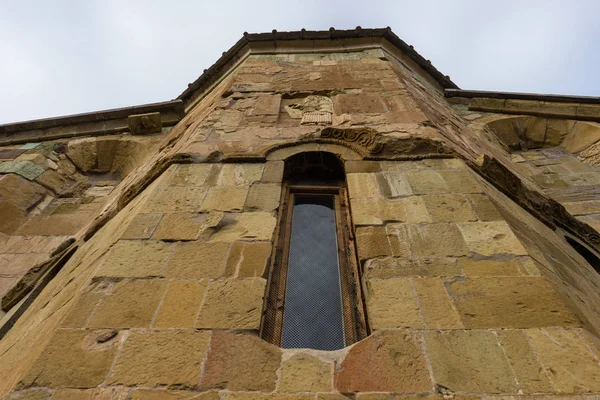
(467, 294)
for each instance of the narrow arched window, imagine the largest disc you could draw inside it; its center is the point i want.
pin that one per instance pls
(314, 298)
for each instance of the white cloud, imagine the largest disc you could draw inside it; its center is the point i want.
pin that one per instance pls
(67, 57)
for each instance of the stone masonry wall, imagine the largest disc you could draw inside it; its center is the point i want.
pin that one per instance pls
(465, 292)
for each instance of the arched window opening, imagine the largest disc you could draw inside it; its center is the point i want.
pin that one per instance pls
(313, 298)
(589, 256)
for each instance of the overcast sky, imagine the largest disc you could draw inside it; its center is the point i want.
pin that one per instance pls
(65, 57)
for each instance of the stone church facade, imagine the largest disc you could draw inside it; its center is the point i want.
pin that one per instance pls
(152, 252)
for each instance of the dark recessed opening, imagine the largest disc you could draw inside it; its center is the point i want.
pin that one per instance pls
(590, 257)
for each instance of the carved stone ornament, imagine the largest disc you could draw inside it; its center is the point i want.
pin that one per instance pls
(367, 139)
(547, 210)
(144, 124)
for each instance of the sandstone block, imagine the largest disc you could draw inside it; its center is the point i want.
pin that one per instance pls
(449, 208)
(20, 192)
(583, 207)
(248, 259)
(483, 207)
(427, 182)
(240, 362)
(233, 303)
(457, 354)
(461, 181)
(393, 303)
(265, 396)
(83, 153)
(245, 226)
(59, 224)
(361, 166)
(433, 240)
(132, 304)
(395, 185)
(240, 174)
(263, 197)
(170, 199)
(568, 362)
(75, 359)
(89, 394)
(160, 358)
(146, 394)
(489, 238)
(305, 373)
(375, 364)
(180, 306)
(26, 169)
(377, 211)
(397, 267)
(19, 264)
(225, 198)
(53, 181)
(472, 267)
(196, 260)
(192, 174)
(142, 226)
(525, 364)
(372, 242)
(11, 217)
(273, 172)
(31, 394)
(509, 302)
(435, 304)
(363, 185)
(136, 258)
(179, 226)
(358, 103)
(85, 305)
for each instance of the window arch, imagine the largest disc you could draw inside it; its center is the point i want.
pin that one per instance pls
(313, 297)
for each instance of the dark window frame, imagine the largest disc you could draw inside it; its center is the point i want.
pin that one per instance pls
(354, 318)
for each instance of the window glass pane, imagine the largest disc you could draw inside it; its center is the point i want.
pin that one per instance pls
(312, 316)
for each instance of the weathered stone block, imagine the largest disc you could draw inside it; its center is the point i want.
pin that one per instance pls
(377, 211)
(456, 354)
(85, 305)
(59, 224)
(449, 208)
(263, 197)
(358, 103)
(372, 242)
(566, 360)
(396, 267)
(75, 359)
(233, 361)
(146, 394)
(180, 226)
(483, 207)
(426, 182)
(89, 394)
(511, 302)
(240, 174)
(393, 303)
(20, 192)
(11, 217)
(376, 363)
(305, 373)
(132, 304)
(472, 267)
(163, 358)
(524, 362)
(395, 184)
(232, 303)
(180, 306)
(363, 185)
(489, 238)
(245, 226)
(435, 304)
(361, 166)
(433, 240)
(273, 172)
(136, 258)
(26, 169)
(170, 199)
(461, 181)
(248, 259)
(192, 174)
(142, 226)
(83, 153)
(225, 198)
(196, 260)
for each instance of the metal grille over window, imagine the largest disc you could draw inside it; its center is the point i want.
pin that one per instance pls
(312, 316)
(314, 295)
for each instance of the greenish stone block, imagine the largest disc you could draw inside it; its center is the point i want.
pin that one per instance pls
(26, 169)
